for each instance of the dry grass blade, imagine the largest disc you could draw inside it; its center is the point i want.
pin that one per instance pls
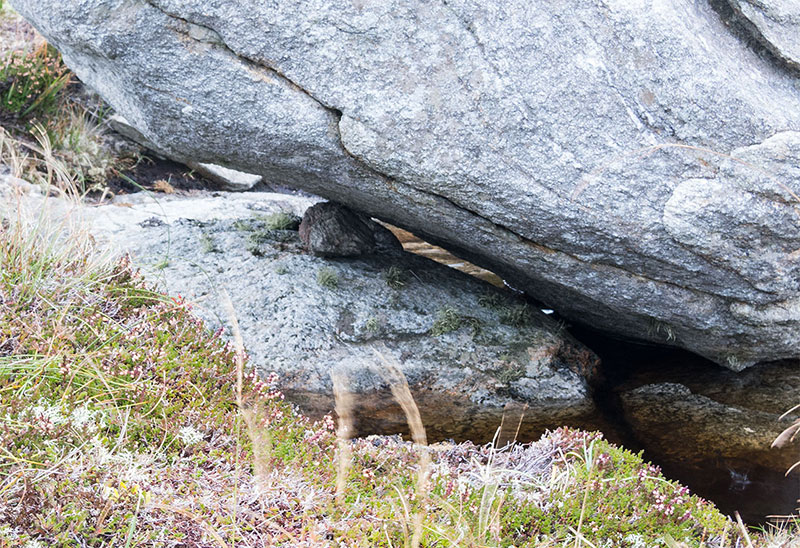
(203, 523)
(743, 529)
(402, 393)
(238, 344)
(787, 435)
(239, 347)
(792, 467)
(789, 412)
(344, 430)
(580, 538)
(672, 543)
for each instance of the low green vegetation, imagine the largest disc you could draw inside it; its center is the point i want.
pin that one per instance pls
(509, 312)
(280, 227)
(448, 319)
(372, 325)
(53, 133)
(208, 244)
(395, 277)
(327, 278)
(30, 82)
(282, 220)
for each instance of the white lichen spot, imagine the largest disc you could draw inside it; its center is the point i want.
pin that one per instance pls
(190, 435)
(84, 418)
(45, 415)
(7, 533)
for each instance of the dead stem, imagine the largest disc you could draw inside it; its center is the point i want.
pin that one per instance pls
(402, 393)
(344, 430)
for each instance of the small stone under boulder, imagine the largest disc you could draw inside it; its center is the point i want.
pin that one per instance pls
(330, 229)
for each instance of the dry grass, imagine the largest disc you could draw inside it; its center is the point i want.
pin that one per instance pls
(344, 431)
(398, 384)
(57, 137)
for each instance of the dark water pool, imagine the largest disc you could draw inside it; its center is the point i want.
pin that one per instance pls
(749, 483)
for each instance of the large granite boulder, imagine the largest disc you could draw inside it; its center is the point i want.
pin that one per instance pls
(774, 23)
(632, 164)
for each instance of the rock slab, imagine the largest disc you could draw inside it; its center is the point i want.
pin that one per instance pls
(333, 230)
(475, 357)
(582, 150)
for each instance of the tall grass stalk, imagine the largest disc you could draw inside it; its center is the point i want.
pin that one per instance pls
(344, 431)
(402, 393)
(240, 358)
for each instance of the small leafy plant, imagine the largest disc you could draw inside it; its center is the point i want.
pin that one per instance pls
(30, 82)
(448, 319)
(208, 244)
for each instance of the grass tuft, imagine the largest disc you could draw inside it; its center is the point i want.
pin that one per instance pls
(395, 277)
(282, 220)
(30, 82)
(328, 278)
(449, 319)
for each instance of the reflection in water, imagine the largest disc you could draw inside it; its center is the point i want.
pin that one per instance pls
(753, 482)
(739, 480)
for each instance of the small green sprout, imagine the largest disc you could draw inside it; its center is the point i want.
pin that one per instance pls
(327, 278)
(208, 244)
(282, 220)
(395, 277)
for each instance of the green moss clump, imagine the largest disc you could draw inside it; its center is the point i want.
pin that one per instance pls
(208, 244)
(395, 277)
(282, 220)
(449, 319)
(328, 278)
(517, 315)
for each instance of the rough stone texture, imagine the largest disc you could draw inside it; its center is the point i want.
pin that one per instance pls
(775, 23)
(472, 353)
(333, 230)
(227, 179)
(563, 145)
